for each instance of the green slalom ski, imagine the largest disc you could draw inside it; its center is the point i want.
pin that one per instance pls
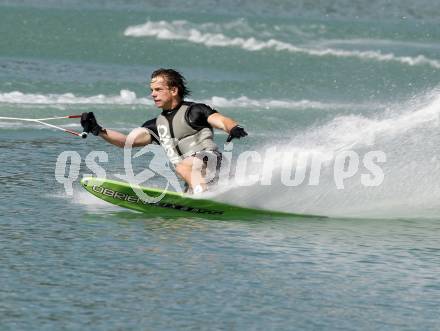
(172, 204)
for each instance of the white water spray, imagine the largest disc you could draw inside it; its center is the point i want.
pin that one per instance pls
(408, 135)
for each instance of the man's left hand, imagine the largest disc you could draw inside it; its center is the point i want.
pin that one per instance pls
(236, 132)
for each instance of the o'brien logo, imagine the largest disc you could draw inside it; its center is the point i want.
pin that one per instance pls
(116, 195)
(136, 200)
(168, 143)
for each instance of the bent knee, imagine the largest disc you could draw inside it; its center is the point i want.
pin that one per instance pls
(182, 168)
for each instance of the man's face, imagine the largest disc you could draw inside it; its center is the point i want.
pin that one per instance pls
(164, 97)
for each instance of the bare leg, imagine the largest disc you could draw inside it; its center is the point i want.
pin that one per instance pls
(190, 169)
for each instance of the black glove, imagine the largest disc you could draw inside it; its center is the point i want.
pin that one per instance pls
(88, 122)
(236, 132)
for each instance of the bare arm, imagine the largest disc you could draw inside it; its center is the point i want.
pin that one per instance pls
(138, 136)
(219, 121)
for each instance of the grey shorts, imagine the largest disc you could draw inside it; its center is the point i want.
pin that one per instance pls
(212, 162)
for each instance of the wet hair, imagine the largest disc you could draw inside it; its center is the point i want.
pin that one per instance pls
(174, 79)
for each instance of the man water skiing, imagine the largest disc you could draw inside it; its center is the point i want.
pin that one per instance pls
(184, 129)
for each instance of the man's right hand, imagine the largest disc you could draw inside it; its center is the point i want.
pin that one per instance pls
(89, 123)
